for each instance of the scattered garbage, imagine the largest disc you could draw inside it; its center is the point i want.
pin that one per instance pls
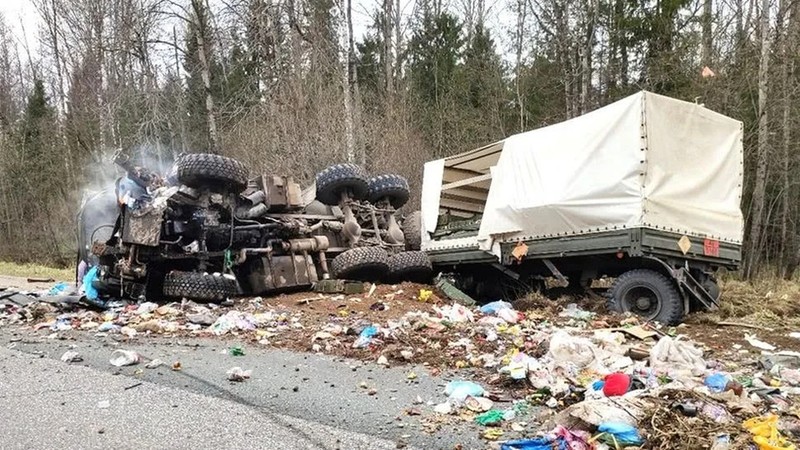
(71, 356)
(238, 374)
(460, 390)
(599, 381)
(716, 382)
(443, 408)
(491, 417)
(146, 308)
(154, 364)
(572, 311)
(478, 404)
(205, 319)
(671, 355)
(365, 337)
(120, 358)
(236, 350)
(59, 289)
(567, 350)
(619, 434)
(616, 384)
(542, 443)
(424, 295)
(765, 433)
(455, 313)
(755, 342)
(493, 307)
(103, 404)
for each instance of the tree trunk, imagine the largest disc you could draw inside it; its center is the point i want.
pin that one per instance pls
(205, 71)
(518, 39)
(707, 37)
(586, 56)
(346, 39)
(388, 82)
(789, 49)
(759, 190)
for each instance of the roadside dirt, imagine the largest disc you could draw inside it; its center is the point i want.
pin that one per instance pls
(23, 284)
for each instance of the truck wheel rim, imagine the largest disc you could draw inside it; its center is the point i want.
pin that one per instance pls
(642, 301)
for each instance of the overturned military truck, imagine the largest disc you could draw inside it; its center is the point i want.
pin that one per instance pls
(207, 232)
(646, 190)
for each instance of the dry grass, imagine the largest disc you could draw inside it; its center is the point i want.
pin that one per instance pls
(766, 301)
(35, 270)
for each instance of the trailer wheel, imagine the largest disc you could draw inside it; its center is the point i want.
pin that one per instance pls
(361, 264)
(412, 231)
(201, 287)
(340, 178)
(410, 266)
(391, 186)
(216, 172)
(647, 293)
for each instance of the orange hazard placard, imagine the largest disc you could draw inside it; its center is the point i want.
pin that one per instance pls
(711, 247)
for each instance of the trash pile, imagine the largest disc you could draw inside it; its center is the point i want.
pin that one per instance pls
(526, 379)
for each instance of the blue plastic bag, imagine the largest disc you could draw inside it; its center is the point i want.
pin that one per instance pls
(460, 390)
(716, 382)
(365, 337)
(493, 307)
(534, 444)
(598, 385)
(88, 290)
(622, 432)
(58, 288)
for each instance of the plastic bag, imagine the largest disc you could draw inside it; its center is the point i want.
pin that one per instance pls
(58, 289)
(572, 311)
(621, 434)
(491, 417)
(716, 382)
(455, 313)
(494, 307)
(124, 358)
(518, 367)
(532, 444)
(765, 433)
(671, 354)
(460, 390)
(509, 315)
(365, 337)
(566, 349)
(88, 289)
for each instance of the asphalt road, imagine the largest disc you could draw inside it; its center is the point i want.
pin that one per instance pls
(294, 400)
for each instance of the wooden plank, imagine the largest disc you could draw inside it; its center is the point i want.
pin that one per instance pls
(467, 182)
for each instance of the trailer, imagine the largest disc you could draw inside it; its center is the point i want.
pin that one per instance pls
(646, 191)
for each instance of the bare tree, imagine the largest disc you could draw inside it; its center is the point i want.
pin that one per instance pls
(759, 189)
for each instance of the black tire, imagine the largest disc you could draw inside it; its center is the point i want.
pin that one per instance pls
(391, 186)
(361, 264)
(410, 266)
(201, 287)
(412, 231)
(218, 173)
(649, 294)
(335, 180)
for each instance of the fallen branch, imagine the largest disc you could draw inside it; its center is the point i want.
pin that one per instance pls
(745, 325)
(310, 299)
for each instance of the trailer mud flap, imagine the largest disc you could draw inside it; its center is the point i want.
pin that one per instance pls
(689, 286)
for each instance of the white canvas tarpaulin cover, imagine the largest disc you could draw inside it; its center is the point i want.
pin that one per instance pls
(644, 161)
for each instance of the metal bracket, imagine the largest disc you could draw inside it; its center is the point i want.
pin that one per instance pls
(689, 286)
(556, 273)
(510, 273)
